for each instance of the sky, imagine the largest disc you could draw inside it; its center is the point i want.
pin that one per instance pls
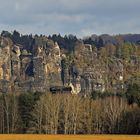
(78, 17)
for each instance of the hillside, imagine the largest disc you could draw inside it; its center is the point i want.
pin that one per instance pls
(36, 71)
(100, 63)
(97, 63)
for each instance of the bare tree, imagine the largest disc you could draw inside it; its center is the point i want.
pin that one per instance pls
(9, 115)
(66, 107)
(113, 107)
(75, 114)
(72, 114)
(37, 123)
(87, 115)
(46, 114)
(14, 113)
(2, 120)
(98, 121)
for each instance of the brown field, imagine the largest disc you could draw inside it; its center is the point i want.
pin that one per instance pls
(69, 137)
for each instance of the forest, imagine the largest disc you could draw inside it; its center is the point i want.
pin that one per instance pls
(46, 113)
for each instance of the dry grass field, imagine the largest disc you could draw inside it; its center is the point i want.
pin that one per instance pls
(69, 137)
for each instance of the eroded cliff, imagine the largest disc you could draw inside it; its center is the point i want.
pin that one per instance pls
(36, 63)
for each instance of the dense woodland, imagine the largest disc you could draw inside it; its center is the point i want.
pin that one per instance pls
(44, 113)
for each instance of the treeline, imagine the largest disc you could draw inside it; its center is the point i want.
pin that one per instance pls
(44, 113)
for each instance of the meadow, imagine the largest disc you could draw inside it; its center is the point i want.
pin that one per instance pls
(69, 137)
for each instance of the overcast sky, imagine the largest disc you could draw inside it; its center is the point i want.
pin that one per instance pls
(79, 17)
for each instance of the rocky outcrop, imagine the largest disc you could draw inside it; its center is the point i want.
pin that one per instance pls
(37, 63)
(5, 64)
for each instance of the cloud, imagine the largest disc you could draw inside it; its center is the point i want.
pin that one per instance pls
(79, 17)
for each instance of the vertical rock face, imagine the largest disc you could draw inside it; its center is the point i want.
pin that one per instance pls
(23, 71)
(5, 64)
(37, 63)
(5, 54)
(46, 63)
(15, 61)
(53, 64)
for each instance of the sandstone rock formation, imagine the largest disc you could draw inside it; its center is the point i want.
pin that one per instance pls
(36, 63)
